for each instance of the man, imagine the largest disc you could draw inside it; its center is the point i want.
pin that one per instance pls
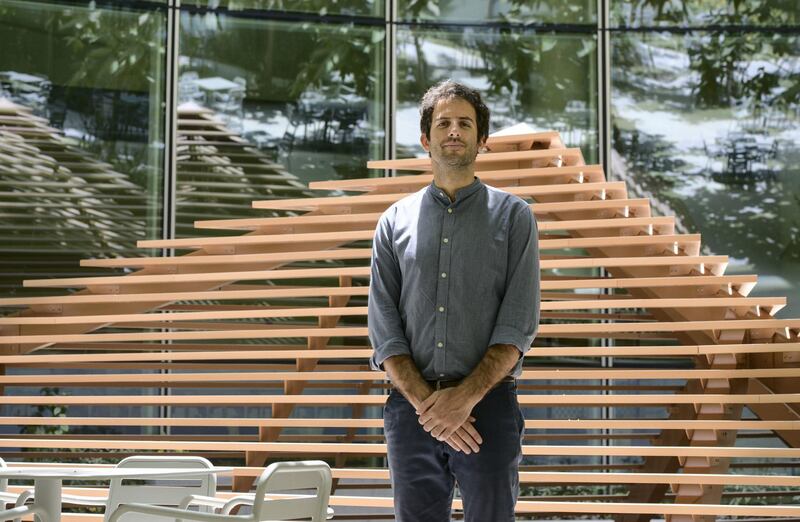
(453, 307)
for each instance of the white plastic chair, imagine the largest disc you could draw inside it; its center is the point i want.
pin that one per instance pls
(120, 491)
(17, 512)
(17, 499)
(7, 497)
(278, 481)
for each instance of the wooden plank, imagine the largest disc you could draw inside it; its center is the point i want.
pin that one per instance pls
(302, 273)
(380, 449)
(347, 236)
(194, 260)
(424, 164)
(536, 424)
(264, 313)
(545, 400)
(563, 284)
(581, 173)
(717, 262)
(340, 376)
(551, 330)
(266, 352)
(616, 190)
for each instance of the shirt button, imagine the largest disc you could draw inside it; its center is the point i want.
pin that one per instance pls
(441, 193)
(445, 240)
(441, 308)
(449, 210)
(440, 344)
(444, 274)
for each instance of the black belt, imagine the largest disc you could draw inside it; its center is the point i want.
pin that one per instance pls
(441, 384)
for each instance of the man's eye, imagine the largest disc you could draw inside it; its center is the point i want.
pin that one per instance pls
(442, 124)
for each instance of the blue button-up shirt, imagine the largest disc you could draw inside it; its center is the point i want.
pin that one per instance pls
(452, 278)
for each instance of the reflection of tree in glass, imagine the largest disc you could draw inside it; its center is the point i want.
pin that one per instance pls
(652, 157)
(321, 7)
(726, 61)
(111, 50)
(792, 250)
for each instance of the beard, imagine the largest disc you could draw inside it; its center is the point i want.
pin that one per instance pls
(456, 159)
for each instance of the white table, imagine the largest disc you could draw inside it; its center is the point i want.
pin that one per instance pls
(47, 480)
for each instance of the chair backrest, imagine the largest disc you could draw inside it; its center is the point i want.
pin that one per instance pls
(307, 486)
(162, 492)
(3, 482)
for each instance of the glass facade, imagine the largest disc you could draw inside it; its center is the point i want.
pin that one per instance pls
(81, 134)
(548, 82)
(702, 105)
(271, 95)
(308, 106)
(705, 123)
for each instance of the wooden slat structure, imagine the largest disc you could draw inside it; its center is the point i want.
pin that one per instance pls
(656, 384)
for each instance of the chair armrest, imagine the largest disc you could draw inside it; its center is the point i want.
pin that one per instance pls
(23, 497)
(19, 511)
(82, 500)
(240, 500)
(249, 499)
(175, 513)
(200, 500)
(18, 499)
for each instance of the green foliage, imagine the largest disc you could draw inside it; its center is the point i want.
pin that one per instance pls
(48, 410)
(722, 55)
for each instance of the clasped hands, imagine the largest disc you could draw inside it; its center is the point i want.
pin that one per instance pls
(445, 414)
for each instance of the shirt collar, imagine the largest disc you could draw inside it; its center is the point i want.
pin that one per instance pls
(461, 194)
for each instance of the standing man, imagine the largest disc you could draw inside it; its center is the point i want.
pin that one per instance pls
(453, 307)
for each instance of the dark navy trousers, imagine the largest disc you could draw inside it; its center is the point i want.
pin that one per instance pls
(424, 470)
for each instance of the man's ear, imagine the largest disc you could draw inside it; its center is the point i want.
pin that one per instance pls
(482, 143)
(425, 143)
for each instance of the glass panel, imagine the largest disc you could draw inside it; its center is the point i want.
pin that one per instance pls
(706, 126)
(525, 12)
(545, 81)
(683, 13)
(81, 135)
(319, 7)
(308, 107)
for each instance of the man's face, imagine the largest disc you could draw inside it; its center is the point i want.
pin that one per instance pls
(454, 133)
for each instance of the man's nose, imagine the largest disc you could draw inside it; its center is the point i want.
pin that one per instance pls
(454, 131)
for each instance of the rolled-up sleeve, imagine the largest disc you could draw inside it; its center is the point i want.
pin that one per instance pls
(386, 331)
(518, 317)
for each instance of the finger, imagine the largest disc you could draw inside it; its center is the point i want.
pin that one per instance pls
(452, 444)
(448, 432)
(427, 403)
(437, 432)
(459, 441)
(426, 416)
(469, 428)
(468, 439)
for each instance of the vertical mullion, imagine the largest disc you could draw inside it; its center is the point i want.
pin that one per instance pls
(390, 120)
(170, 153)
(604, 136)
(171, 121)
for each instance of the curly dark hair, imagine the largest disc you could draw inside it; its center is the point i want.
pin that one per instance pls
(446, 90)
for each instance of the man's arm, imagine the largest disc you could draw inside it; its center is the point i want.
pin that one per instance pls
(449, 407)
(515, 328)
(405, 376)
(385, 326)
(391, 350)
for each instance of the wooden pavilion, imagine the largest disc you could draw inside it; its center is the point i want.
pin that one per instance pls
(656, 383)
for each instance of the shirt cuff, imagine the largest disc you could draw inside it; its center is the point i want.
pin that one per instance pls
(388, 349)
(509, 335)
